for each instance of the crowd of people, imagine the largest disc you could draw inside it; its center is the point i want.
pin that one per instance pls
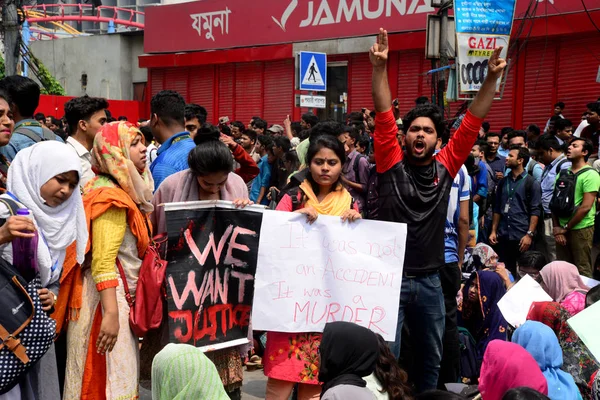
(483, 208)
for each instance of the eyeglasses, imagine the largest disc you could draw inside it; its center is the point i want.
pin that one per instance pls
(536, 275)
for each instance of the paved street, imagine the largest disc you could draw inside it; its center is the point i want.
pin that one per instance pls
(255, 383)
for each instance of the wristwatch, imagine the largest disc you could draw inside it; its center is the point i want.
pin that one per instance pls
(530, 233)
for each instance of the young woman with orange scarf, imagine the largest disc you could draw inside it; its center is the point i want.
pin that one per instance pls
(293, 358)
(103, 355)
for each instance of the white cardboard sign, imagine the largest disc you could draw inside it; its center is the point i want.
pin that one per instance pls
(309, 275)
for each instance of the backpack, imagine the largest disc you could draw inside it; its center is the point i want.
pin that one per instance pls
(562, 203)
(47, 134)
(355, 167)
(469, 368)
(26, 332)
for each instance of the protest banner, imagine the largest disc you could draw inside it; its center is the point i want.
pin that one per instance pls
(481, 27)
(212, 254)
(309, 275)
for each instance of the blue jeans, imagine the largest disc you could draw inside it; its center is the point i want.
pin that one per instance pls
(422, 306)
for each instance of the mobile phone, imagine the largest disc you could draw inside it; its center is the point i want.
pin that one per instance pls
(223, 120)
(395, 102)
(364, 110)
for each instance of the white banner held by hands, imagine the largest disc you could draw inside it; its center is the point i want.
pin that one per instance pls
(309, 275)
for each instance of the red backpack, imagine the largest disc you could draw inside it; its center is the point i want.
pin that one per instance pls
(146, 309)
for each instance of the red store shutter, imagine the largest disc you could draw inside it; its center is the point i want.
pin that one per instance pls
(201, 88)
(540, 61)
(501, 113)
(225, 93)
(278, 91)
(409, 80)
(248, 91)
(577, 70)
(177, 80)
(157, 79)
(359, 93)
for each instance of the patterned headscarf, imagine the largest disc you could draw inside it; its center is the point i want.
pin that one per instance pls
(487, 323)
(182, 371)
(110, 156)
(577, 359)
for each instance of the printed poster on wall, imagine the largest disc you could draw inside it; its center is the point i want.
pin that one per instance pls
(475, 51)
(492, 17)
(309, 275)
(481, 27)
(212, 255)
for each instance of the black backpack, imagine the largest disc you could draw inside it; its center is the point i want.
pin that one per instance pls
(26, 331)
(562, 204)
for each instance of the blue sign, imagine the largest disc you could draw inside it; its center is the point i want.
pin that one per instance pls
(488, 17)
(313, 71)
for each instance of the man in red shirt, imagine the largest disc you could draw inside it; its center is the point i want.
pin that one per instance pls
(414, 187)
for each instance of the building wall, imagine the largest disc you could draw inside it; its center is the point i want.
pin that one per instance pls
(110, 62)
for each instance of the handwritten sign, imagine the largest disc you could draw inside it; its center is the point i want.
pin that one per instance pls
(212, 254)
(309, 275)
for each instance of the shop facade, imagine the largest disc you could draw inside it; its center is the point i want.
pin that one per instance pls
(237, 60)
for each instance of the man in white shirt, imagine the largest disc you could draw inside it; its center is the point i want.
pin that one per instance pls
(85, 116)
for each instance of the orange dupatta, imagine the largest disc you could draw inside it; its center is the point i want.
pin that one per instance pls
(95, 202)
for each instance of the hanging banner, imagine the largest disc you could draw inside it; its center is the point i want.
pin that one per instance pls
(491, 17)
(212, 255)
(474, 52)
(309, 275)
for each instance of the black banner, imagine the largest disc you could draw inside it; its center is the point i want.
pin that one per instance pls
(212, 254)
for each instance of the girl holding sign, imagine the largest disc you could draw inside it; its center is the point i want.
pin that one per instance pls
(210, 177)
(292, 358)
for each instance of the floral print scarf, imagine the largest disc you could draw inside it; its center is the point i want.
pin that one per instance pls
(577, 359)
(110, 160)
(486, 323)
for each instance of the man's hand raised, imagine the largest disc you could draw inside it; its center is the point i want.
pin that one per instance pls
(379, 51)
(496, 64)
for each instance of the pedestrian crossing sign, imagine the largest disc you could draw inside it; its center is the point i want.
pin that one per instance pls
(313, 71)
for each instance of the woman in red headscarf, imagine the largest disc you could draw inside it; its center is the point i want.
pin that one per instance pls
(103, 355)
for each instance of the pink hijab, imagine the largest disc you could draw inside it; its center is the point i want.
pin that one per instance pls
(562, 278)
(506, 366)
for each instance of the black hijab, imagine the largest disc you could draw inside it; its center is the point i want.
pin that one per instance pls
(348, 352)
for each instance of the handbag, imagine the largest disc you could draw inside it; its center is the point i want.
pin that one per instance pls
(146, 309)
(26, 331)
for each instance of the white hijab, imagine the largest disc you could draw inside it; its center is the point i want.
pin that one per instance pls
(58, 226)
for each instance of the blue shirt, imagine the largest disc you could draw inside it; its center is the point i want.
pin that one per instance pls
(498, 164)
(172, 157)
(261, 181)
(514, 221)
(503, 152)
(19, 142)
(533, 166)
(481, 188)
(460, 191)
(549, 179)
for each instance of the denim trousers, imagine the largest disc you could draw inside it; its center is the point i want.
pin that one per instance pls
(422, 307)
